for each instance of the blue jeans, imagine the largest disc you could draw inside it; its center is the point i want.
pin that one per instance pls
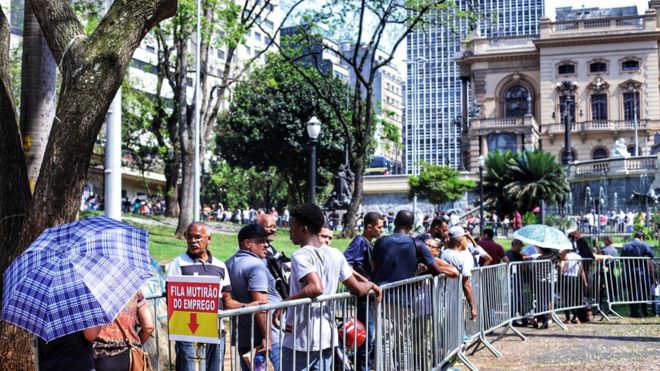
(364, 360)
(273, 355)
(212, 356)
(317, 362)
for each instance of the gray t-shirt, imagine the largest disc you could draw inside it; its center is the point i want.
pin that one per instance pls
(249, 273)
(610, 250)
(461, 260)
(318, 319)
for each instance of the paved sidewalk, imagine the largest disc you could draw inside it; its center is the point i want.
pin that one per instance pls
(622, 344)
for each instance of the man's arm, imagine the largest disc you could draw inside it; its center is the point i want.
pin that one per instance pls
(440, 266)
(261, 318)
(467, 291)
(358, 288)
(230, 303)
(313, 287)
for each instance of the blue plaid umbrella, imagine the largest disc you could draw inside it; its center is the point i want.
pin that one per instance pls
(75, 276)
(543, 236)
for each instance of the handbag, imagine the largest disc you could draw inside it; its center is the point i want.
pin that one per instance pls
(139, 359)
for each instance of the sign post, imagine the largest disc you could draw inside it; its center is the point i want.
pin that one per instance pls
(192, 308)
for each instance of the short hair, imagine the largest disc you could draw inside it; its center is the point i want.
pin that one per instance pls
(639, 234)
(309, 215)
(489, 233)
(372, 218)
(404, 219)
(327, 225)
(438, 220)
(607, 238)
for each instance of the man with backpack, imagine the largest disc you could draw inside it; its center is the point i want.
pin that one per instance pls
(359, 255)
(278, 264)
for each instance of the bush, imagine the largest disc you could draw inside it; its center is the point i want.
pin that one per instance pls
(530, 218)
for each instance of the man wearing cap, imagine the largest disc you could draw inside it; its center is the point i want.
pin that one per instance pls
(252, 282)
(457, 255)
(197, 260)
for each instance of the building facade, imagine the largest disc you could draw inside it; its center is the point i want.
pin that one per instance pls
(595, 69)
(435, 115)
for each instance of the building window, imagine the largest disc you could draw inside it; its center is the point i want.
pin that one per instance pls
(631, 106)
(566, 69)
(630, 66)
(502, 142)
(257, 36)
(598, 67)
(515, 101)
(599, 107)
(599, 153)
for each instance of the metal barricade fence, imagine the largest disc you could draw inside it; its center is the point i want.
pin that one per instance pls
(532, 286)
(158, 341)
(422, 323)
(629, 280)
(405, 336)
(447, 294)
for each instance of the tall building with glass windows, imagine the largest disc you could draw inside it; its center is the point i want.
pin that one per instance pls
(435, 117)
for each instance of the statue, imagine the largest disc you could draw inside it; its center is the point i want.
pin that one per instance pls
(341, 195)
(620, 149)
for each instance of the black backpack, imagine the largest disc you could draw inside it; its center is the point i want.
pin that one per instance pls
(276, 263)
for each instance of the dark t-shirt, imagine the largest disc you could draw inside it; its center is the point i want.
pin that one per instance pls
(493, 249)
(359, 254)
(71, 353)
(396, 259)
(514, 256)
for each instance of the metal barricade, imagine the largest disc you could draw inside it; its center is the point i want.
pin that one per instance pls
(287, 321)
(630, 280)
(158, 341)
(532, 286)
(448, 303)
(405, 336)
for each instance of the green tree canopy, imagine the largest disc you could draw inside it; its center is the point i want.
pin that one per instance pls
(438, 184)
(266, 126)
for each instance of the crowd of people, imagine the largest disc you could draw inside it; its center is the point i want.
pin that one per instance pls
(260, 274)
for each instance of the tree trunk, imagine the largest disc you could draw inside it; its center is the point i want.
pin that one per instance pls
(186, 202)
(38, 83)
(16, 344)
(356, 200)
(171, 190)
(92, 69)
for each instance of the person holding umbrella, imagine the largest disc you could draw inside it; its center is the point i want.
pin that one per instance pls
(72, 279)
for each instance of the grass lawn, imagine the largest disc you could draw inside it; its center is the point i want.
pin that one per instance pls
(164, 246)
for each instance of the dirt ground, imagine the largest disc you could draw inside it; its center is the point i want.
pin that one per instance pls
(621, 344)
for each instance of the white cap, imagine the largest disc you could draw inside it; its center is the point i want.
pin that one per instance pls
(457, 231)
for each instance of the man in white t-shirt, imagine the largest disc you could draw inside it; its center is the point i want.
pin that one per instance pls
(457, 255)
(316, 269)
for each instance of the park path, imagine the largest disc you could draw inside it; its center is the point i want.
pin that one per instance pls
(621, 344)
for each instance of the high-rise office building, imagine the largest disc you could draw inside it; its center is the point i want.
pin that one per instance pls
(434, 116)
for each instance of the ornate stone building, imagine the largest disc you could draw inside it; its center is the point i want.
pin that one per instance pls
(595, 69)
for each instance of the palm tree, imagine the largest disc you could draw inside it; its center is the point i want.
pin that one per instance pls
(535, 176)
(496, 178)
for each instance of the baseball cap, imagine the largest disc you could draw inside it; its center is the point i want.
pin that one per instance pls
(251, 231)
(457, 231)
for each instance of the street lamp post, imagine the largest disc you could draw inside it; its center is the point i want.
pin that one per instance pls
(482, 162)
(313, 131)
(567, 88)
(268, 179)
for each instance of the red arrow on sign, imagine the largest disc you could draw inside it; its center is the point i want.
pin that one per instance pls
(192, 325)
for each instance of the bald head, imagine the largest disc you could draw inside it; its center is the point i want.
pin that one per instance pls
(404, 220)
(269, 223)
